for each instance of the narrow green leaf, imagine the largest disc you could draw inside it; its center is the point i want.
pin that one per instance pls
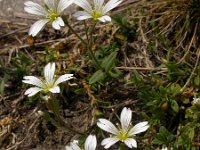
(109, 61)
(97, 76)
(174, 106)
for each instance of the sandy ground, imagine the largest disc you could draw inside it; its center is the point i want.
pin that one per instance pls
(10, 8)
(15, 8)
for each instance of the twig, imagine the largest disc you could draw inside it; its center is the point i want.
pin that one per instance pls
(188, 50)
(141, 68)
(13, 32)
(196, 64)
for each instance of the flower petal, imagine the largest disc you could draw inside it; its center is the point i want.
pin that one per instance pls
(63, 78)
(49, 71)
(105, 19)
(98, 5)
(56, 24)
(108, 142)
(107, 126)
(82, 15)
(111, 5)
(130, 142)
(34, 8)
(32, 91)
(63, 4)
(84, 4)
(72, 146)
(37, 26)
(125, 118)
(55, 89)
(33, 81)
(51, 4)
(90, 143)
(138, 128)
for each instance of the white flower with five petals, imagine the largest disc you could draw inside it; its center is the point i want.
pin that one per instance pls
(95, 9)
(125, 133)
(49, 84)
(90, 144)
(51, 12)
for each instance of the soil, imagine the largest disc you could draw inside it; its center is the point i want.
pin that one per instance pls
(11, 8)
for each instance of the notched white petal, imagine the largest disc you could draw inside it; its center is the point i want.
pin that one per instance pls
(34, 8)
(111, 5)
(130, 142)
(63, 78)
(105, 19)
(107, 126)
(108, 142)
(52, 4)
(63, 4)
(84, 4)
(90, 143)
(56, 24)
(49, 71)
(72, 146)
(33, 81)
(37, 27)
(55, 89)
(125, 118)
(82, 15)
(138, 128)
(32, 91)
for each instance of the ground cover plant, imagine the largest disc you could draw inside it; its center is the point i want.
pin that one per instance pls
(108, 75)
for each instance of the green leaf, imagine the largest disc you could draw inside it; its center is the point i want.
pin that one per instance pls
(97, 76)
(115, 73)
(174, 106)
(163, 137)
(197, 81)
(109, 61)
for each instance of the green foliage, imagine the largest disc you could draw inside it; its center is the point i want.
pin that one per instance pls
(22, 64)
(97, 76)
(127, 27)
(46, 116)
(163, 137)
(107, 58)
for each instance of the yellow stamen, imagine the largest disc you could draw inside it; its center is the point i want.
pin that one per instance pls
(52, 15)
(47, 87)
(96, 14)
(123, 136)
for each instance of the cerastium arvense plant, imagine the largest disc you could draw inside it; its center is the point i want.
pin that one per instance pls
(95, 11)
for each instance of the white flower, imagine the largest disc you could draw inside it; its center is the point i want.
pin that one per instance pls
(196, 100)
(165, 148)
(125, 133)
(51, 12)
(90, 144)
(49, 84)
(96, 9)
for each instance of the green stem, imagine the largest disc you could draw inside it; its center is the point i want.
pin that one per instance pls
(74, 32)
(89, 44)
(61, 121)
(90, 47)
(86, 31)
(122, 147)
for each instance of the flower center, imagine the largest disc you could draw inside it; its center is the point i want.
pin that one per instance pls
(123, 136)
(52, 15)
(48, 86)
(96, 14)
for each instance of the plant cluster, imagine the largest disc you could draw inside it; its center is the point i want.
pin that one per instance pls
(162, 35)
